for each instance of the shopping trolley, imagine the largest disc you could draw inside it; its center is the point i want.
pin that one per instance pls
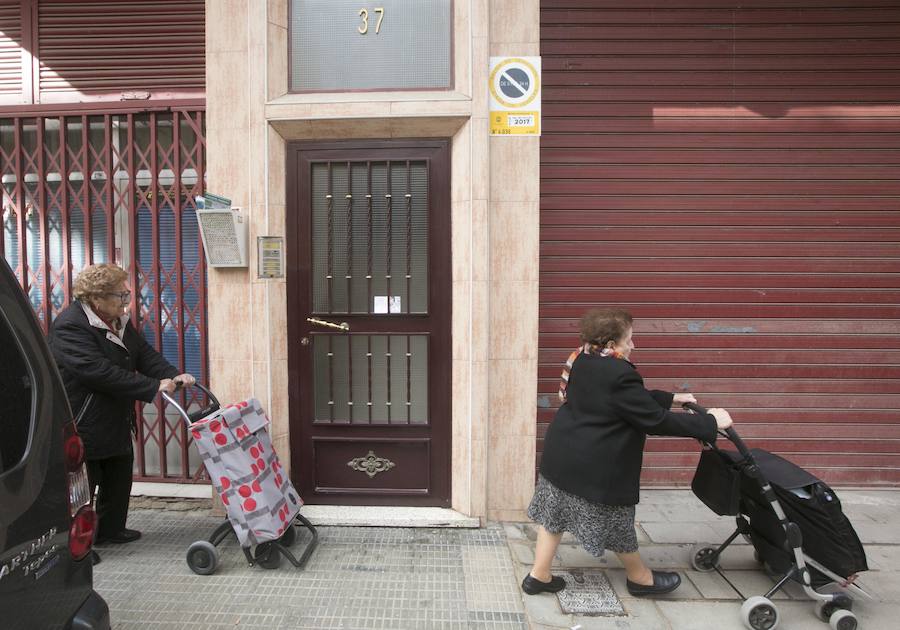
(261, 505)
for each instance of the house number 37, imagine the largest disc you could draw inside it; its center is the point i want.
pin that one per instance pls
(364, 25)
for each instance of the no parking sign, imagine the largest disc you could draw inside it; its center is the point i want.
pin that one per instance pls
(515, 89)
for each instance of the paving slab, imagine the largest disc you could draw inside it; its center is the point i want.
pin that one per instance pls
(358, 578)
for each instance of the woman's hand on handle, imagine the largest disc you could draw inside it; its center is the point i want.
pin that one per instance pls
(682, 398)
(723, 418)
(167, 385)
(184, 380)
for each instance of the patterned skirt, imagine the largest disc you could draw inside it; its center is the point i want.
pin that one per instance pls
(598, 527)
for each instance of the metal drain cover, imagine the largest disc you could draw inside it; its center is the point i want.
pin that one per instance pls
(588, 593)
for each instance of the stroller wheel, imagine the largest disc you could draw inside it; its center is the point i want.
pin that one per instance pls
(842, 619)
(704, 558)
(759, 613)
(267, 556)
(825, 609)
(202, 557)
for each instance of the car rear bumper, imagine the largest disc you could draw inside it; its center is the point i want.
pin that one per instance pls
(93, 614)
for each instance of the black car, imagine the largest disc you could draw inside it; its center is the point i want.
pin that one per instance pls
(46, 518)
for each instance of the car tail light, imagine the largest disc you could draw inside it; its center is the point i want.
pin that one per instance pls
(84, 519)
(81, 533)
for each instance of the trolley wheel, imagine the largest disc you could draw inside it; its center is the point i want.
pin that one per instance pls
(759, 613)
(842, 619)
(704, 558)
(203, 557)
(289, 537)
(267, 556)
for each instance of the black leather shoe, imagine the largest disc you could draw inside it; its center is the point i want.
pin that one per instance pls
(120, 538)
(533, 586)
(663, 582)
(95, 558)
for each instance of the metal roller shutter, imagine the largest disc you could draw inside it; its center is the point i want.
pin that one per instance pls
(730, 172)
(10, 52)
(101, 51)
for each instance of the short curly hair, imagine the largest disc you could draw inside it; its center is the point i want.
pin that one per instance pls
(97, 280)
(602, 325)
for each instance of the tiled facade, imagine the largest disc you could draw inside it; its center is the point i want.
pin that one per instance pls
(494, 219)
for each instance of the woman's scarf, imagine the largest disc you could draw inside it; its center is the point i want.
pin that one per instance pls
(587, 348)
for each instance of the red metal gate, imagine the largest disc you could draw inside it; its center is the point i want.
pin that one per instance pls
(116, 186)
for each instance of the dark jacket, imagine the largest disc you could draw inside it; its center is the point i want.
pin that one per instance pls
(594, 448)
(89, 362)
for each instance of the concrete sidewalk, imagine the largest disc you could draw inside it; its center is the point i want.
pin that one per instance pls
(427, 578)
(670, 522)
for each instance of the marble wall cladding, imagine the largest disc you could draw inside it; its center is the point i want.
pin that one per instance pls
(277, 61)
(515, 239)
(509, 378)
(226, 106)
(278, 337)
(481, 175)
(510, 475)
(229, 379)
(462, 71)
(514, 314)
(226, 25)
(515, 168)
(228, 177)
(514, 193)
(507, 25)
(277, 12)
(480, 74)
(461, 435)
(230, 303)
(276, 178)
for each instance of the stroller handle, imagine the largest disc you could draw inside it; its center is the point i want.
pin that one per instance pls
(730, 433)
(190, 418)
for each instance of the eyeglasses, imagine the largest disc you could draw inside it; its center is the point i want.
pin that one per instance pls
(124, 296)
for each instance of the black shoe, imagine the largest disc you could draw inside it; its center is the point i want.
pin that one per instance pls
(120, 538)
(663, 582)
(533, 586)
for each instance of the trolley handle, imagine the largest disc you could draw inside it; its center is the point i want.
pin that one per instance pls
(190, 418)
(730, 433)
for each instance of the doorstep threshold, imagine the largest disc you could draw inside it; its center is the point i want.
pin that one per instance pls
(343, 515)
(386, 516)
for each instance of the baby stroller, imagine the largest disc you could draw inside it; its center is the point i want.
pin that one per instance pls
(261, 504)
(795, 524)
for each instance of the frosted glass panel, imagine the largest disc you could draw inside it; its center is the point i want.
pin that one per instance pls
(370, 237)
(370, 379)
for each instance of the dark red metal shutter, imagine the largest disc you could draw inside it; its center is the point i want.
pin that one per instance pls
(10, 51)
(147, 49)
(730, 172)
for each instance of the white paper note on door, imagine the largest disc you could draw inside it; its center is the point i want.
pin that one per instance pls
(387, 304)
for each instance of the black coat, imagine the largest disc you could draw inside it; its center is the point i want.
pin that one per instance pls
(594, 448)
(89, 362)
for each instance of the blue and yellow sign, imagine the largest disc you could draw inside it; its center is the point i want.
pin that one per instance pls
(515, 95)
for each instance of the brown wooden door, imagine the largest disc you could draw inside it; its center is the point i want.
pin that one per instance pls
(369, 321)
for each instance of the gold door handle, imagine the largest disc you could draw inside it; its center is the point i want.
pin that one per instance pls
(322, 322)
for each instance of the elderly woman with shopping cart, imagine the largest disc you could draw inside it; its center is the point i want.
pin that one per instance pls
(107, 365)
(591, 464)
